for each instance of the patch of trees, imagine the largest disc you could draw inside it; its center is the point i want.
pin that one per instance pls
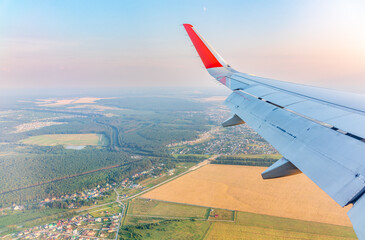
(190, 158)
(44, 164)
(130, 231)
(264, 162)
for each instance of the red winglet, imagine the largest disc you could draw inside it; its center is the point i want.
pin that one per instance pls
(209, 60)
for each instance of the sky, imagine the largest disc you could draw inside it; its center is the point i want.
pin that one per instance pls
(135, 43)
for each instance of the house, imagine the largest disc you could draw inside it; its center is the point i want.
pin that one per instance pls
(19, 207)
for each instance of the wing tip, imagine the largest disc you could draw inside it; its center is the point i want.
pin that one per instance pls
(187, 25)
(208, 56)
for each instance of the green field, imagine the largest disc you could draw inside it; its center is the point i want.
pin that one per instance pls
(66, 139)
(257, 226)
(149, 207)
(150, 219)
(167, 229)
(292, 225)
(105, 210)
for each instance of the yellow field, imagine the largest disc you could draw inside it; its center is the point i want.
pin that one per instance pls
(64, 139)
(226, 231)
(242, 188)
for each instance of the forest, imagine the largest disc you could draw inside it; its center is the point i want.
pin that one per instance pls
(30, 172)
(248, 161)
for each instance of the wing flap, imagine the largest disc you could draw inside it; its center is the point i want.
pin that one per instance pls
(352, 123)
(280, 168)
(260, 91)
(317, 111)
(283, 99)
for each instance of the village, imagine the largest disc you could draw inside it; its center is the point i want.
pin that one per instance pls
(89, 196)
(78, 227)
(95, 224)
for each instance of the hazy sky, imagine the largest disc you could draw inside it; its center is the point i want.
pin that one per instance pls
(142, 43)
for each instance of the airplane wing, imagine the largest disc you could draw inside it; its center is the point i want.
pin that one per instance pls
(318, 131)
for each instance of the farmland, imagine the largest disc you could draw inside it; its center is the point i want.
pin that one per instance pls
(242, 188)
(167, 229)
(66, 139)
(257, 226)
(161, 220)
(232, 231)
(159, 208)
(134, 147)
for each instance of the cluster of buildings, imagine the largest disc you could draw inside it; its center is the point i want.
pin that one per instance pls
(39, 123)
(14, 207)
(78, 227)
(82, 226)
(202, 137)
(128, 182)
(235, 140)
(229, 142)
(83, 195)
(34, 125)
(88, 194)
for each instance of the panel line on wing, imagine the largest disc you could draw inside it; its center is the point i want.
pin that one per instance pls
(306, 117)
(298, 94)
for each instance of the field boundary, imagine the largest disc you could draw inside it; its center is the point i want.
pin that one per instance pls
(206, 234)
(187, 204)
(167, 217)
(180, 218)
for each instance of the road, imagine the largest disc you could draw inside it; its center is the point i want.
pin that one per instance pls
(199, 165)
(121, 216)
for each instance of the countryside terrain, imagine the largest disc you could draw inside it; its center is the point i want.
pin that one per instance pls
(115, 166)
(242, 188)
(153, 219)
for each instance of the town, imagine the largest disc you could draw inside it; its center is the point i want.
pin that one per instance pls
(224, 141)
